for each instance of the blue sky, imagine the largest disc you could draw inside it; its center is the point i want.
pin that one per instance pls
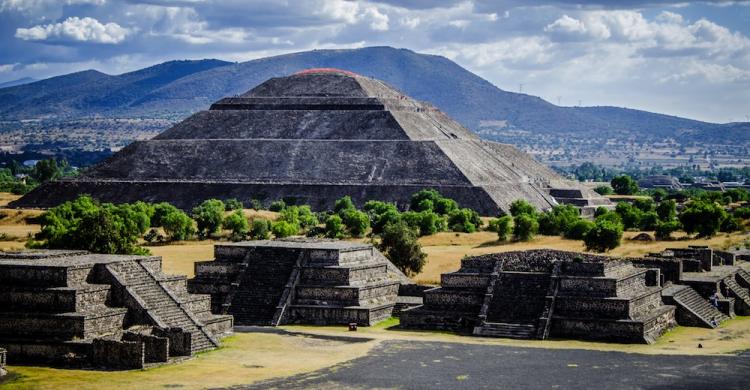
(689, 59)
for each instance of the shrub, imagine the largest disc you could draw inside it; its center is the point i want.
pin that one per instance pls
(601, 210)
(178, 225)
(702, 217)
(209, 216)
(503, 227)
(464, 220)
(417, 200)
(233, 204)
(430, 223)
(307, 218)
(237, 223)
(445, 206)
(380, 214)
(737, 194)
(342, 204)
(630, 215)
(731, 224)
(521, 206)
(558, 220)
(579, 229)
(604, 236)
(525, 227)
(256, 204)
(261, 229)
(742, 212)
(334, 227)
(624, 185)
(603, 190)
(609, 216)
(88, 225)
(664, 229)
(283, 229)
(356, 222)
(399, 244)
(161, 210)
(277, 206)
(658, 194)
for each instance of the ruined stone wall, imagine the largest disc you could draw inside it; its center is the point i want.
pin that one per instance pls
(118, 354)
(671, 269)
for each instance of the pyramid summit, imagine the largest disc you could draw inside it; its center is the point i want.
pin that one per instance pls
(313, 137)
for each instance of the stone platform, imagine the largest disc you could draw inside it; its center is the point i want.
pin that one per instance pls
(82, 309)
(299, 281)
(547, 293)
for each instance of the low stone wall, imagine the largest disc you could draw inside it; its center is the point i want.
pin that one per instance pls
(724, 258)
(118, 354)
(670, 268)
(180, 343)
(156, 349)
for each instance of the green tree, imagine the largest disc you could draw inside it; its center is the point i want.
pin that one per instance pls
(445, 206)
(737, 194)
(86, 224)
(356, 222)
(261, 229)
(208, 216)
(503, 227)
(702, 217)
(624, 185)
(630, 215)
(644, 205)
(399, 244)
(521, 206)
(667, 210)
(381, 213)
(558, 220)
(664, 229)
(579, 229)
(649, 221)
(731, 224)
(525, 227)
(604, 236)
(233, 204)
(178, 225)
(237, 223)
(418, 199)
(46, 170)
(334, 227)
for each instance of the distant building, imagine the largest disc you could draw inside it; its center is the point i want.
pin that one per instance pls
(660, 181)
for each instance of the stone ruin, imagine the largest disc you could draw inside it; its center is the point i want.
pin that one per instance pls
(547, 293)
(311, 138)
(299, 282)
(75, 308)
(693, 275)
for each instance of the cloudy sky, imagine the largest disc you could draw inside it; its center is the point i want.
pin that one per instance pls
(683, 58)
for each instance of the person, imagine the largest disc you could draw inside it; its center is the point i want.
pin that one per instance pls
(714, 299)
(714, 323)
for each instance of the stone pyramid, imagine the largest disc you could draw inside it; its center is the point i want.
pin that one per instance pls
(313, 137)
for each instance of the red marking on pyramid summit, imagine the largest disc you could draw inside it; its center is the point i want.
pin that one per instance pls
(325, 70)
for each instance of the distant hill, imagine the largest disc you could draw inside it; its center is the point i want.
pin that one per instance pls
(21, 81)
(177, 88)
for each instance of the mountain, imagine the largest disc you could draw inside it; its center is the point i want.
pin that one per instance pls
(178, 88)
(93, 93)
(21, 81)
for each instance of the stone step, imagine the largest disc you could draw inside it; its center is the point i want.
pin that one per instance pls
(506, 330)
(737, 290)
(690, 300)
(743, 278)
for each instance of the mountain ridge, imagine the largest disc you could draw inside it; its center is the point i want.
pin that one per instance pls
(178, 88)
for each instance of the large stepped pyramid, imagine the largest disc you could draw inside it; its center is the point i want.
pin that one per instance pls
(314, 137)
(299, 281)
(83, 309)
(546, 293)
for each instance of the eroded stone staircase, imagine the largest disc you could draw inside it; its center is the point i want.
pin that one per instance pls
(164, 308)
(260, 289)
(741, 295)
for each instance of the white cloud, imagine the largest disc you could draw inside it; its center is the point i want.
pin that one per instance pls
(76, 29)
(6, 67)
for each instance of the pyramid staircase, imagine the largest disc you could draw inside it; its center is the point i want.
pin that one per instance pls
(162, 306)
(692, 309)
(741, 295)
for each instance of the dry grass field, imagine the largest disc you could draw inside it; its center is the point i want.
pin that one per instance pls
(244, 358)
